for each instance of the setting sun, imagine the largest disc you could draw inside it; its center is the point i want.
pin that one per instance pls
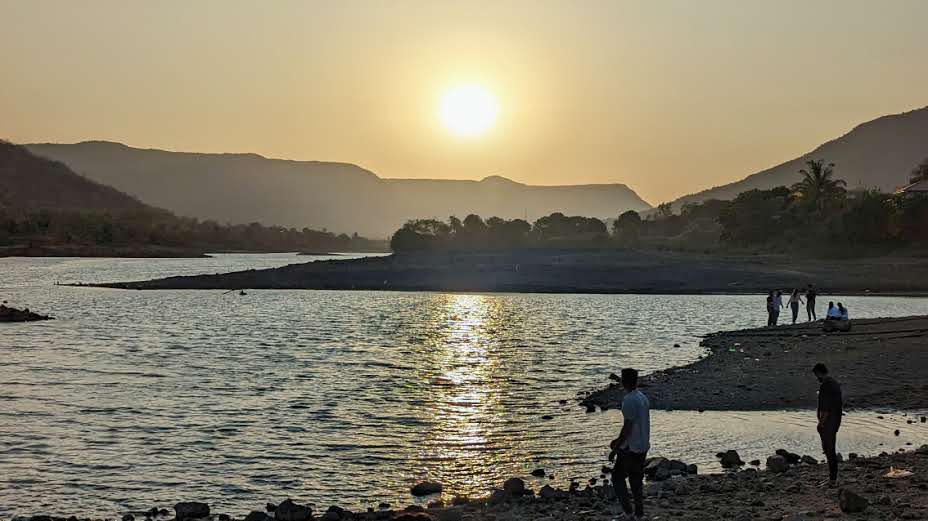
(468, 110)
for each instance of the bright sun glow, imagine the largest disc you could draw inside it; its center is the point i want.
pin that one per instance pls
(468, 110)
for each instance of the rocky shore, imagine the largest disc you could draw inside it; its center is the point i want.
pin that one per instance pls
(601, 271)
(880, 362)
(884, 487)
(8, 314)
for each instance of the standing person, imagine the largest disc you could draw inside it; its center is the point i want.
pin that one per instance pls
(810, 302)
(770, 309)
(830, 405)
(632, 446)
(777, 306)
(794, 301)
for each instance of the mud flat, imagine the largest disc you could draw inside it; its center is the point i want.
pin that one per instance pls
(882, 364)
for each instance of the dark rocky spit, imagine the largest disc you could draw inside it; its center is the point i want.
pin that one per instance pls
(787, 489)
(599, 271)
(881, 364)
(8, 314)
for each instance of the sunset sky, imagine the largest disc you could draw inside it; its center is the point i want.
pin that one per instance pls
(668, 97)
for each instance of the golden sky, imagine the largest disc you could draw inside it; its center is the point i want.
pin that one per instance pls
(668, 97)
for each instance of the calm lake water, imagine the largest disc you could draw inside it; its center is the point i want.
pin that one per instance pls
(135, 399)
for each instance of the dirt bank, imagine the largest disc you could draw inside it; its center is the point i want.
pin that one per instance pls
(881, 363)
(572, 272)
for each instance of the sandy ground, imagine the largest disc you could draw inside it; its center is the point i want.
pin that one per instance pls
(881, 364)
(605, 271)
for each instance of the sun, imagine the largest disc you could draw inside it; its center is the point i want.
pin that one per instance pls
(468, 110)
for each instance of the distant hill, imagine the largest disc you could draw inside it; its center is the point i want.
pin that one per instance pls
(29, 182)
(877, 154)
(241, 188)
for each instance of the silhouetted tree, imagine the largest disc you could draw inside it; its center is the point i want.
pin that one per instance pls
(818, 187)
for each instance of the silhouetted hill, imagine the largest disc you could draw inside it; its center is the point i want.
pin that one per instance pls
(29, 182)
(877, 154)
(242, 188)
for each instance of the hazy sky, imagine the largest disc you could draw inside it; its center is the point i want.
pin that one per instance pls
(668, 97)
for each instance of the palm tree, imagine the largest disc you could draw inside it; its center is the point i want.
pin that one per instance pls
(818, 186)
(920, 172)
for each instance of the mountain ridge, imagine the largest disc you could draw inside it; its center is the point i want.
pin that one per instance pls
(878, 153)
(241, 188)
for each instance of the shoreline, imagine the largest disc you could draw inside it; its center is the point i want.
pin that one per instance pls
(782, 491)
(880, 364)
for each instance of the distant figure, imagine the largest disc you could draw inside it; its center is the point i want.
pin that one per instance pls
(833, 312)
(630, 449)
(830, 405)
(794, 301)
(810, 302)
(770, 309)
(842, 311)
(777, 306)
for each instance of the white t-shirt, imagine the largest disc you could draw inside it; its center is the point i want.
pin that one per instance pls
(637, 409)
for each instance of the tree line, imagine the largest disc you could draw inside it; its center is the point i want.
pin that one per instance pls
(161, 228)
(816, 215)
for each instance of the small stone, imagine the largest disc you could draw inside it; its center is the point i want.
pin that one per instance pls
(224, 517)
(426, 488)
(791, 457)
(777, 464)
(538, 473)
(923, 450)
(190, 510)
(384, 505)
(896, 432)
(755, 462)
(851, 502)
(852, 456)
(290, 511)
(547, 417)
(128, 517)
(730, 459)
(809, 460)
(258, 516)
(514, 486)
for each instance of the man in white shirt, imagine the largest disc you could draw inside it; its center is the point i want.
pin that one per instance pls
(632, 445)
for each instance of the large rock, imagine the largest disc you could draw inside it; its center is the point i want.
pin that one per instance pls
(258, 516)
(923, 450)
(791, 457)
(426, 488)
(190, 510)
(514, 486)
(850, 502)
(655, 466)
(290, 511)
(730, 459)
(777, 464)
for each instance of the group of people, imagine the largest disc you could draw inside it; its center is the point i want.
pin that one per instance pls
(775, 304)
(629, 451)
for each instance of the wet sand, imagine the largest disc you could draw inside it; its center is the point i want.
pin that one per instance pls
(881, 363)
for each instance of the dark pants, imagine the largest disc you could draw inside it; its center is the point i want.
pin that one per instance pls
(773, 315)
(829, 434)
(629, 465)
(810, 310)
(794, 306)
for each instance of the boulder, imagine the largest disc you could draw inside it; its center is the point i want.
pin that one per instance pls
(514, 486)
(538, 473)
(190, 510)
(730, 459)
(426, 488)
(258, 516)
(547, 492)
(290, 511)
(755, 462)
(923, 450)
(498, 496)
(777, 464)
(676, 464)
(692, 469)
(791, 457)
(851, 502)
(128, 517)
(653, 465)
(809, 460)
(334, 513)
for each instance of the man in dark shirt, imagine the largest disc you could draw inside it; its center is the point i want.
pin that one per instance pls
(830, 405)
(810, 302)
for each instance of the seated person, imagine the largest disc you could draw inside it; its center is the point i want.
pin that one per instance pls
(843, 312)
(833, 312)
